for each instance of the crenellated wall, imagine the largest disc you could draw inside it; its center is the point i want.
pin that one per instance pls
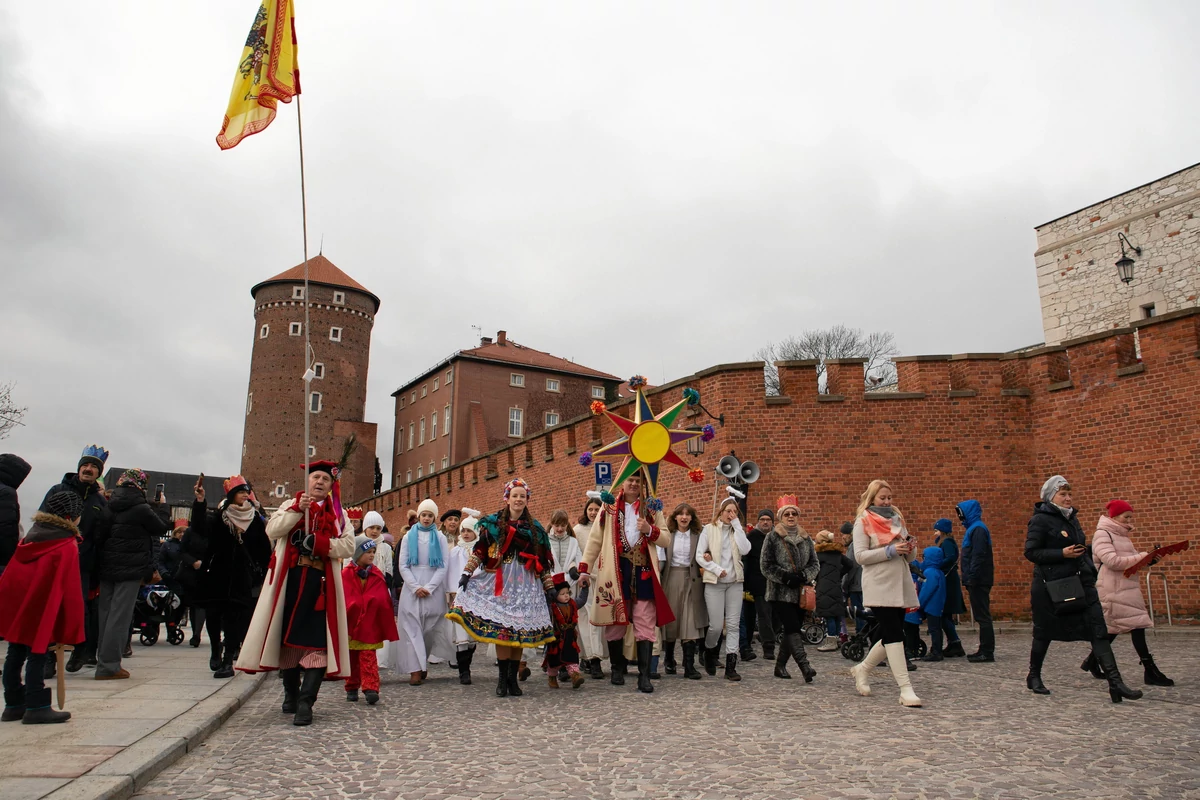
(988, 426)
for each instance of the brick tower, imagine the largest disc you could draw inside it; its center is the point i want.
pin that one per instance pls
(342, 313)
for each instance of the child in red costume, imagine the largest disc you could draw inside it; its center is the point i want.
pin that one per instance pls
(563, 652)
(369, 621)
(41, 601)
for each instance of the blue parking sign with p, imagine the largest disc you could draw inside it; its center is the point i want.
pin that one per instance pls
(603, 473)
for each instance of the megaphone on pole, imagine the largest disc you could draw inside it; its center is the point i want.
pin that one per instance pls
(729, 468)
(749, 472)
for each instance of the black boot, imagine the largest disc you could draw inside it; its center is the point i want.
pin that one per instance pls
(465, 657)
(597, 669)
(1117, 690)
(669, 658)
(731, 673)
(954, 650)
(795, 643)
(39, 712)
(352, 695)
(748, 653)
(310, 686)
(1034, 681)
(710, 659)
(981, 657)
(502, 683)
(89, 655)
(514, 673)
(616, 662)
(291, 689)
(781, 661)
(50, 668)
(226, 668)
(644, 651)
(768, 651)
(214, 658)
(1153, 677)
(371, 695)
(75, 662)
(1090, 664)
(14, 705)
(689, 661)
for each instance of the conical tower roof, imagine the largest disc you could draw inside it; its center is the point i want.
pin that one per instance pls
(320, 270)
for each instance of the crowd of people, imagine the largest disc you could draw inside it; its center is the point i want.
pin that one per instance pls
(320, 592)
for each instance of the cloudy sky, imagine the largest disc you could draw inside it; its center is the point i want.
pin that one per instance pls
(644, 187)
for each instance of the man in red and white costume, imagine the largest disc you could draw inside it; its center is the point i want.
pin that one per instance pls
(299, 624)
(620, 562)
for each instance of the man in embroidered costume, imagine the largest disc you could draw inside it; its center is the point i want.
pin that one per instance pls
(421, 617)
(299, 624)
(508, 603)
(621, 560)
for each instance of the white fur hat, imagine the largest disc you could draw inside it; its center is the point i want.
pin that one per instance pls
(373, 519)
(428, 505)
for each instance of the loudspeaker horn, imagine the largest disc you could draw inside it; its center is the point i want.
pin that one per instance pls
(749, 472)
(729, 467)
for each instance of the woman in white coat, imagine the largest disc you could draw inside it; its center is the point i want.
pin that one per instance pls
(592, 649)
(719, 553)
(464, 645)
(423, 553)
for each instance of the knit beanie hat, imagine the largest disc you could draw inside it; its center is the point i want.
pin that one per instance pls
(1051, 487)
(372, 519)
(428, 505)
(824, 537)
(134, 477)
(365, 546)
(1116, 508)
(943, 525)
(766, 512)
(67, 505)
(847, 528)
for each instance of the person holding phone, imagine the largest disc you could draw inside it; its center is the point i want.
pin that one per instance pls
(1056, 545)
(884, 548)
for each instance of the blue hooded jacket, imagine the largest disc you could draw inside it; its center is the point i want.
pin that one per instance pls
(975, 562)
(933, 590)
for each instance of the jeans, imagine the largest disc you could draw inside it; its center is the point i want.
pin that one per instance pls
(724, 602)
(35, 663)
(981, 609)
(935, 633)
(949, 629)
(857, 604)
(756, 614)
(116, 615)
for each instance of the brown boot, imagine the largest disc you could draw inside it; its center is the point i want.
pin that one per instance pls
(553, 680)
(577, 680)
(414, 678)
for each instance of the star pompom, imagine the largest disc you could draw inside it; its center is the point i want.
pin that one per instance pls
(585, 460)
(696, 475)
(707, 433)
(598, 406)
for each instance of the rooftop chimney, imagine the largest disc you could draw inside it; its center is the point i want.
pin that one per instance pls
(502, 338)
(485, 340)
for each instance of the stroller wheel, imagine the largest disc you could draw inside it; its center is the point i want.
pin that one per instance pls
(854, 650)
(148, 640)
(922, 648)
(814, 633)
(175, 636)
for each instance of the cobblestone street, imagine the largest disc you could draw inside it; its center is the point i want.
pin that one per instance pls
(981, 733)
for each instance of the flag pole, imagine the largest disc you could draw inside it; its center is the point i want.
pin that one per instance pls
(307, 333)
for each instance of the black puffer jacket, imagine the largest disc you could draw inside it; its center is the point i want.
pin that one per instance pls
(127, 552)
(1048, 533)
(233, 565)
(753, 580)
(835, 565)
(13, 471)
(93, 525)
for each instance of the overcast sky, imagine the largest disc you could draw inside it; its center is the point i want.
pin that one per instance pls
(643, 187)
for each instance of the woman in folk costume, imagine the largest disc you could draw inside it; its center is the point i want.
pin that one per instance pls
(685, 591)
(719, 552)
(508, 605)
(299, 624)
(591, 638)
(421, 616)
(369, 620)
(620, 563)
(464, 645)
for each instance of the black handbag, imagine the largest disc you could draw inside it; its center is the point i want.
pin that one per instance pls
(1066, 595)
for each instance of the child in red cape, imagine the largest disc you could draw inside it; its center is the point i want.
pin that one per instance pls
(369, 621)
(41, 601)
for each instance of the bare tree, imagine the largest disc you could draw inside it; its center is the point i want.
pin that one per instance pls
(832, 343)
(10, 414)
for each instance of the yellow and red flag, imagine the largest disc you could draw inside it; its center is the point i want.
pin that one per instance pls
(267, 73)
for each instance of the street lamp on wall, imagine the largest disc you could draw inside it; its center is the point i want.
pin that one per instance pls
(1125, 263)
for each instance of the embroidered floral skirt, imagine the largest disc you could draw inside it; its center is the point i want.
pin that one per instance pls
(519, 617)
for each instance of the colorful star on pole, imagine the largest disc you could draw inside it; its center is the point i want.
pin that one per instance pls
(647, 441)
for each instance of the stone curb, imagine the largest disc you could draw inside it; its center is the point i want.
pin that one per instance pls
(135, 766)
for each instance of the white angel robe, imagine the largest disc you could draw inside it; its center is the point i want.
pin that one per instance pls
(420, 620)
(458, 562)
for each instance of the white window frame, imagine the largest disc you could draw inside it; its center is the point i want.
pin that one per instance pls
(412, 432)
(519, 420)
(264, 331)
(425, 390)
(312, 450)
(431, 469)
(450, 376)
(556, 419)
(597, 392)
(295, 328)
(446, 420)
(319, 370)
(297, 292)
(280, 489)
(436, 383)
(249, 403)
(320, 402)
(421, 433)
(413, 398)
(408, 476)
(553, 385)
(445, 461)
(420, 472)
(516, 379)
(433, 421)
(339, 298)
(335, 334)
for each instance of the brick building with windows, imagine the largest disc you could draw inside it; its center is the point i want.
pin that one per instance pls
(342, 314)
(480, 399)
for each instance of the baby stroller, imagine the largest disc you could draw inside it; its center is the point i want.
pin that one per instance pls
(855, 648)
(157, 605)
(813, 630)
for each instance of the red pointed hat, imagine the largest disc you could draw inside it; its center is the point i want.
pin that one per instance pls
(354, 513)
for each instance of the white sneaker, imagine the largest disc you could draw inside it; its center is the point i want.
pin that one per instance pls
(829, 644)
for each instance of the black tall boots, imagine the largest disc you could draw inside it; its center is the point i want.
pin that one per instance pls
(310, 685)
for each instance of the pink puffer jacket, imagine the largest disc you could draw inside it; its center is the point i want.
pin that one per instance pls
(1120, 597)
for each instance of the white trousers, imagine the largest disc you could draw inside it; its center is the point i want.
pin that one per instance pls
(724, 602)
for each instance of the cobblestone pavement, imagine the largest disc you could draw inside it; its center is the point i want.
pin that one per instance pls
(981, 734)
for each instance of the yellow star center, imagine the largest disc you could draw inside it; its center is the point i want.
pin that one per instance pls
(650, 442)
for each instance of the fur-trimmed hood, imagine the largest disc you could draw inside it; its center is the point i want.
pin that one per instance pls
(830, 547)
(47, 527)
(782, 531)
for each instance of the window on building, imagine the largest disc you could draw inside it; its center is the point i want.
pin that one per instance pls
(425, 390)
(297, 292)
(408, 476)
(516, 379)
(552, 384)
(412, 432)
(314, 402)
(295, 328)
(339, 298)
(312, 450)
(446, 420)
(445, 461)
(1148, 311)
(249, 403)
(436, 383)
(421, 434)
(431, 469)
(280, 489)
(264, 331)
(450, 375)
(551, 419)
(319, 370)
(413, 398)
(335, 334)
(433, 420)
(516, 422)
(420, 473)
(598, 392)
